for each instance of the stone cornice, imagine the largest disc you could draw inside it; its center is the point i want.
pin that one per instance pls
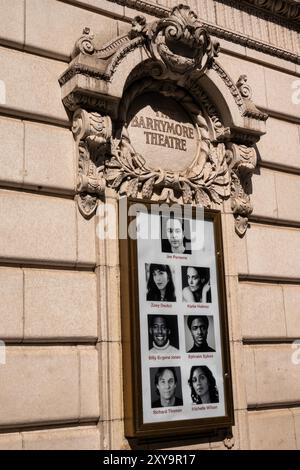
(251, 43)
(146, 6)
(286, 9)
(289, 13)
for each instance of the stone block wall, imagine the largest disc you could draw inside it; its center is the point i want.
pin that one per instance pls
(264, 271)
(61, 386)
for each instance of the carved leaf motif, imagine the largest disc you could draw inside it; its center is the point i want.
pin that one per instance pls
(126, 158)
(148, 188)
(138, 161)
(124, 187)
(113, 163)
(118, 180)
(220, 181)
(215, 196)
(218, 189)
(165, 194)
(187, 194)
(207, 172)
(113, 175)
(202, 198)
(227, 190)
(133, 188)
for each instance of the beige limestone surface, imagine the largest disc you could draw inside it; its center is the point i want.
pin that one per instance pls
(272, 430)
(40, 95)
(11, 151)
(11, 309)
(59, 305)
(255, 299)
(285, 242)
(80, 438)
(267, 363)
(70, 370)
(42, 384)
(60, 25)
(281, 144)
(36, 156)
(12, 25)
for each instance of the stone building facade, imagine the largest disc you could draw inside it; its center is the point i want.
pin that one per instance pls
(61, 351)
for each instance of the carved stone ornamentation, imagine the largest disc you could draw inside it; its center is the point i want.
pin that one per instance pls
(246, 92)
(156, 117)
(287, 9)
(92, 133)
(242, 162)
(285, 13)
(229, 442)
(182, 31)
(128, 173)
(85, 43)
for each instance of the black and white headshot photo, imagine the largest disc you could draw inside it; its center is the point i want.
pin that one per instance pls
(163, 334)
(165, 387)
(160, 284)
(199, 334)
(175, 235)
(196, 284)
(203, 385)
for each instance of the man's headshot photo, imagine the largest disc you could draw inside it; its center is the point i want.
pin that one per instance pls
(163, 334)
(175, 235)
(165, 387)
(199, 333)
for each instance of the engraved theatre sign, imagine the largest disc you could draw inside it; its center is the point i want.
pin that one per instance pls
(158, 125)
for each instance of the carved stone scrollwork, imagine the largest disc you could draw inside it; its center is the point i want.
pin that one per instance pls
(242, 161)
(182, 28)
(85, 43)
(178, 43)
(286, 13)
(244, 88)
(92, 133)
(246, 92)
(107, 87)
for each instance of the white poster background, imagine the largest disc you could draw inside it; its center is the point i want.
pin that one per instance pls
(149, 251)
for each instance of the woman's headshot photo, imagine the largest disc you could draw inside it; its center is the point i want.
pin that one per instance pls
(203, 385)
(160, 285)
(195, 284)
(165, 387)
(175, 235)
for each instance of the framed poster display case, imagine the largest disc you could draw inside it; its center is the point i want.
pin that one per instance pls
(176, 364)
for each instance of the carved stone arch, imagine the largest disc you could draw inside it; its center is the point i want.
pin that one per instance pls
(205, 180)
(145, 70)
(176, 57)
